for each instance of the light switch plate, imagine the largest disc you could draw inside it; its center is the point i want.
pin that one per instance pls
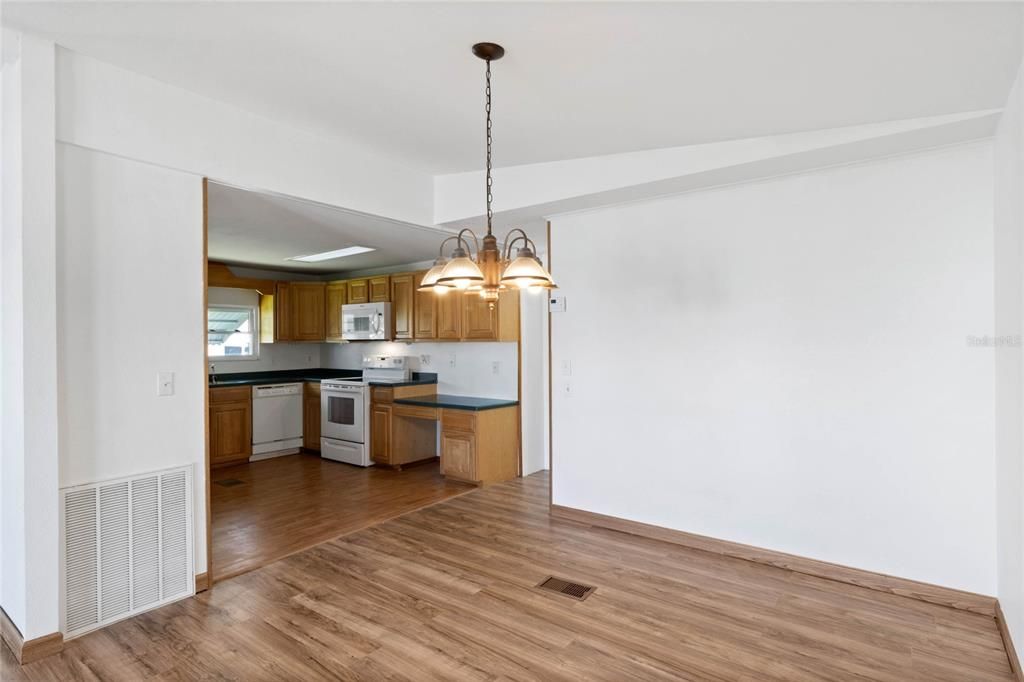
(556, 303)
(165, 383)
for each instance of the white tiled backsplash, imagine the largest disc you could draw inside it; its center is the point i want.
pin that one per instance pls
(486, 369)
(273, 356)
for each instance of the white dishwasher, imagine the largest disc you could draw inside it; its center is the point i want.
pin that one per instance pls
(276, 420)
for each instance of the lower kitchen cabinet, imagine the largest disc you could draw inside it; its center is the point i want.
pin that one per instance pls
(311, 416)
(480, 447)
(458, 456)
(399, 435)
(380, 433)
(230, 425)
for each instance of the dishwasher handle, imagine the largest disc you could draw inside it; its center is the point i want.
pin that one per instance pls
(276, 390)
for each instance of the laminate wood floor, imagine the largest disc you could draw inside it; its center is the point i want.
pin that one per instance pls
(448, 593)
(286, 504)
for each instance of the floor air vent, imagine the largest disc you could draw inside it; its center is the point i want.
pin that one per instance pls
(229, 482)
(127, 547)
(577, 591)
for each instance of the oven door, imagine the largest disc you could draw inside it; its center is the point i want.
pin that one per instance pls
(342, 415)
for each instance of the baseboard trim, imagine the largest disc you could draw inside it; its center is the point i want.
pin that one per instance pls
(1011, 651)
(202, 582)
(33, 649)
(934, 594)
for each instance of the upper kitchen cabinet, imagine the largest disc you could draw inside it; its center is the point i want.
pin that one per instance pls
(309, 307)
(449, 314)
(424, 311)
(482, 321)
(336, 297)
(267, 325)
(379, 289)
(358, 291)
(298, 311)
(402, 304)
(283, 312)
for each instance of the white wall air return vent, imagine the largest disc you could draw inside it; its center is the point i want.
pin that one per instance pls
(127, 547)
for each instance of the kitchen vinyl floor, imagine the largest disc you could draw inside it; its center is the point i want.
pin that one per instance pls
(287, 504)
(448, 593)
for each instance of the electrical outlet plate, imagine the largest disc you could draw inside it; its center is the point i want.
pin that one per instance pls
(165, 383)
(556, 303)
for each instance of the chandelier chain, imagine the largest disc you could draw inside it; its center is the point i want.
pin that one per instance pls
(490, 181)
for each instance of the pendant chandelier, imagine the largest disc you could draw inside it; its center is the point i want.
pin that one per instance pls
(485, 269)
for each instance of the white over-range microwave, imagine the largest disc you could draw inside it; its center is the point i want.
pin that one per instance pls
(366, 322)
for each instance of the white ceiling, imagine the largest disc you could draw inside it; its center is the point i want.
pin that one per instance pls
(579, 79)
(264, 230)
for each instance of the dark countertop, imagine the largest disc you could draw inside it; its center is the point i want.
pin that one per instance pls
(457, 402)
(313, 375)
(417, 379)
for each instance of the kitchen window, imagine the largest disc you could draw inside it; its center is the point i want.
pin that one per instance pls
(232, 332)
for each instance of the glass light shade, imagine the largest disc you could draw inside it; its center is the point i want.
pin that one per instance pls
(526, 271)
(429, 281)
(461, 272)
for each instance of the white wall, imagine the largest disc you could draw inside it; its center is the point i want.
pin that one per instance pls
(472, 373)
(130, 305)
(272, 356)
(1009, 286)
(534, 402)
(111, 109)
(30, 511)
(802, 381)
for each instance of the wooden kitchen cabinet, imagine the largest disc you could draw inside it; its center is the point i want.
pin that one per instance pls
(335, 297)
(308, 305)
(379, 289)
(283, 312)
(479, 319)
(424, 311)
(484, 322)
(402, 304)
(358, 291)
(311, 416)
(458, 457)
(480, 447)
(230, 411)
(449, 315)
(380, 433)
(398, 433)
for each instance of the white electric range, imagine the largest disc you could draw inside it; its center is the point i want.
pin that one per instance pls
(345, 409)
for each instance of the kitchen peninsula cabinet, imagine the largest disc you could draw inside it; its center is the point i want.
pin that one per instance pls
(394, 440)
